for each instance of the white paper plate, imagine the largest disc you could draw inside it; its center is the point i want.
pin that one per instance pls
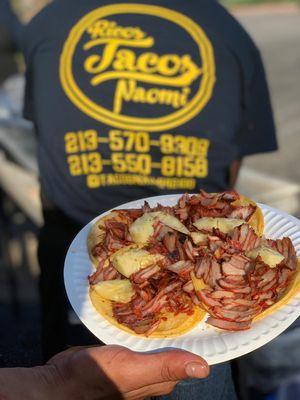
(215, 346)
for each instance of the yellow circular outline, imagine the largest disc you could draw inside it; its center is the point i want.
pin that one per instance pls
(125, 122)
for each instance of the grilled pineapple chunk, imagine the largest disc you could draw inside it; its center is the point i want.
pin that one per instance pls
(225, 225)
(142, 228)
(268, 255)
(130, 260)
(198, 283)
(119, 290)
(172, 222)
(206, 223)
(198, 237)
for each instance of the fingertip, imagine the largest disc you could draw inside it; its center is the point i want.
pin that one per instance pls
(183, 364)
(199, 369)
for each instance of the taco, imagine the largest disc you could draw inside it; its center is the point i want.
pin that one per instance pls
(292, 289)
(171, 325)
(137, 289)
(239, 287)
(160, 270)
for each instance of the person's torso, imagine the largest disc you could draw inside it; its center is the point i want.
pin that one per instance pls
(134, 100)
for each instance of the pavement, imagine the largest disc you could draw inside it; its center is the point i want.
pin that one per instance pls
(276, 31)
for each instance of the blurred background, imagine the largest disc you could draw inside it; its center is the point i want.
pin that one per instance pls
(269, 178)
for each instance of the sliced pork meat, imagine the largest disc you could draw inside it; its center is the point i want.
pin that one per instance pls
(214, 274)
(97, 276)
(182, 214)
(242, 212)
(237, 265)
(229, 268)
(180, 302)
(230, 195)
(235, 316)
(131, 213)
(150, 328)
(284, 275)
(110, 273)
(157, 248)
(182, 268)
(144, 274)
(180, 249)
(190, 252)
(169, 241)
(158, 226)
(195, 299)
(99, 251)
(104, 274)
(164, 209)
(227, 284)
(221, 294)
(175, 284)
(214, 243)
(245, 236)
(184, 200)
(214, 212)
(123, 310)
(259, 297)
(188, 287)
(138, 324)
(286, 248)
(212, 204)
(146, 207)
(145, 293)
(113, 244)
(235, 279)
(118, 230)
(228, 325)
(202, 266)
(204, 296)
(267, 277)
(241, 290)
(182, 209)
(155, 305)
(238, 302)
(263, 275)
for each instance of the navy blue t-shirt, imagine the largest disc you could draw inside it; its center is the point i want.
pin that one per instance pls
(132, 100)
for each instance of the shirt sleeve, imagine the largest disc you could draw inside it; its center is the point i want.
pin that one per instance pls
(29, 44)
(32, 38)
(257, 133)
(10, 22)
(28, 95)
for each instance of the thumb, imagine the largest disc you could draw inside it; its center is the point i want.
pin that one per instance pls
(172, 365)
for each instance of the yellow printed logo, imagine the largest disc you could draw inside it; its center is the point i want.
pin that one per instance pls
(118, 73)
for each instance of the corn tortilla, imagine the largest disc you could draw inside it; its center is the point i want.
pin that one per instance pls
(175, 325)
(291, 291)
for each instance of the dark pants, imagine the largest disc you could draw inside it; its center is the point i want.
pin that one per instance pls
(217, 386)
(54, 240)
